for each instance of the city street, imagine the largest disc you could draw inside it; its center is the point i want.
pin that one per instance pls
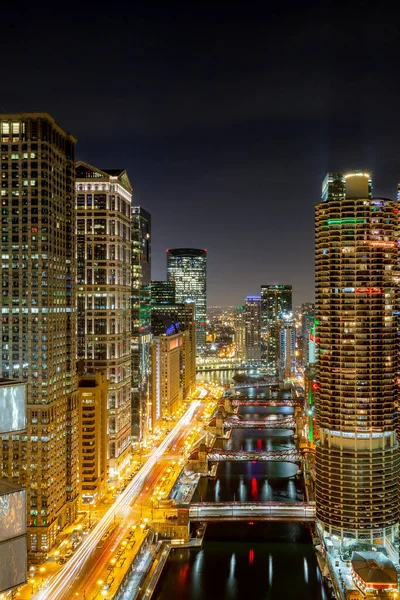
(100, 562)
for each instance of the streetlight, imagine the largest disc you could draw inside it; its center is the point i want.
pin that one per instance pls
(32, 582)
(42, 570)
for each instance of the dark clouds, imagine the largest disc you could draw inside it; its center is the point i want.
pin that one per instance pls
(226, 116)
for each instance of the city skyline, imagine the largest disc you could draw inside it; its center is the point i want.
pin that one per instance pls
(200, 376)
(218, 116)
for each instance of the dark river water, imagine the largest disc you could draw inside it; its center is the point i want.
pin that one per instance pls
(246, 561)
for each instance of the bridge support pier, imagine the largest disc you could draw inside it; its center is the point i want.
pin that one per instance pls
(199, 461)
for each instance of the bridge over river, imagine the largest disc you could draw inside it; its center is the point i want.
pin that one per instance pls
(253, 511)
(237, 423)
(245, 401)
(289, 455)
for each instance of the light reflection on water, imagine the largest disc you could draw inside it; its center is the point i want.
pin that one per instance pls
(239, 561)
(243, 562)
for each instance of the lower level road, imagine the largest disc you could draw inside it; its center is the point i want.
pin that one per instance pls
(66, 584)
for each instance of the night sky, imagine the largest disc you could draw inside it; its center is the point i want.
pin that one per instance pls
(226, 116)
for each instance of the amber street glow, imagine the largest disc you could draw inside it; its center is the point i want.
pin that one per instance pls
(58, 587)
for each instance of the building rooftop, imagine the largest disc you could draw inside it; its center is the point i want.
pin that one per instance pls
(8, 487)
(374, 568)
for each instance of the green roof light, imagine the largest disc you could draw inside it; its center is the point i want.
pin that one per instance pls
(344, 221)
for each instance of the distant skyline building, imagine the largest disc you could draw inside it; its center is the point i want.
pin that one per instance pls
(357, 455)
(38, 327)
(141, 321)
(240, 332)
(163, 292)
(103, 204)
(252, 325)
(286, 346)
(187, 267)
(307, 331)
(275, 300)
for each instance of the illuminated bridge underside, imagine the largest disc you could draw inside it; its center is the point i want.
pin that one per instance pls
(233, 423)
(255, 511)
(217, 455)
(272, 402)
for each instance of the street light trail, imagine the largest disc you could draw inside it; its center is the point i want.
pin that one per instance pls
(58, 585)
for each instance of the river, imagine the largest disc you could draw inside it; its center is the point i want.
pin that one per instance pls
(260, 561)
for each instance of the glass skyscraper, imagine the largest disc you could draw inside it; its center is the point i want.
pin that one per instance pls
(275, 300)
(357, 457)
(141, 321)
(187, 267)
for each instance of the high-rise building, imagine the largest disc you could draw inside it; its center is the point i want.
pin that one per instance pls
(252, 325)
(286, 346)
(38, 316)
(93, 446)
(175, 318)
(13, 555)
(163, 292)
(240, 333)
(103, 204)
(167, 366)
(307, 324)
(141, 322)
(275, 300)
(357, 457)
(187, 267)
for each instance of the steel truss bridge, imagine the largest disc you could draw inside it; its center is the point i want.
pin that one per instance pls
(236, 423)
(244, 401)
(220, 455)
(253, 511)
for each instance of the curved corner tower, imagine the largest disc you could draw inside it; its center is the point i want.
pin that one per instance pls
(357, 456)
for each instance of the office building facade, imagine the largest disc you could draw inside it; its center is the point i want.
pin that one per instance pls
(167, 364)
(141, 322)
(38, 316)
(93, 441)
(286, 346)
(163, 292)
(240, 332)
(103, 205)
(307, 317)
(252, 328)
(176, 318)
(187, 267)
(275, 300)
(357, 457)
